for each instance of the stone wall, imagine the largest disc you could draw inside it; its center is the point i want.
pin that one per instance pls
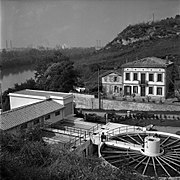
(92, 103)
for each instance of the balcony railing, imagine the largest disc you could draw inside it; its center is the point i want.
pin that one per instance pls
(143, 83)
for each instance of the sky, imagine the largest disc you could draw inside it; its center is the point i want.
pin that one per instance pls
(76, 23)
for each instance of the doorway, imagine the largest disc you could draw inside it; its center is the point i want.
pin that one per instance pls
(142, 90)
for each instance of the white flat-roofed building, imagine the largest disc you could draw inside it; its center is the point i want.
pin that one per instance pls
(27, 97)
(149, 76)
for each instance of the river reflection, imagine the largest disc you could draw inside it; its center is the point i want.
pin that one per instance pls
(16, 75)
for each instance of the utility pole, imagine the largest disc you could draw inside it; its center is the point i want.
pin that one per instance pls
(99, 96)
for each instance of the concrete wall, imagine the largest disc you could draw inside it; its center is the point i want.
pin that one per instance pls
(54, 118)
(85, 149)
(86, 103)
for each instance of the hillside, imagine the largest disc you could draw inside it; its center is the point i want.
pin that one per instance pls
(159, 39)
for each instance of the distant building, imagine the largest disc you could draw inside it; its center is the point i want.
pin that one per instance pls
(112, 83)
(149, 76)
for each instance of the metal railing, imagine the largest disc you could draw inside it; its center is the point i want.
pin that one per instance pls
(124, 129)
(79, 135)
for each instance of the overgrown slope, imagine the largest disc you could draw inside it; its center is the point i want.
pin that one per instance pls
(159, 39)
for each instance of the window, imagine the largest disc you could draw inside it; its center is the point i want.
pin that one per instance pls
(47, 117)
(128, 76)
(105, 79)
(135, 77)
(116, 89)
(57, 113)
(151, 77)
(127, 90)
(159, 77)
(115, 79)
(150, 90)
(159, 91)
(24, 126)
(135, 89)
(36, 121)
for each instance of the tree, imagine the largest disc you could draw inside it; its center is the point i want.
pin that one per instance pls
(59, 76)
(29, 84)
(43, 63)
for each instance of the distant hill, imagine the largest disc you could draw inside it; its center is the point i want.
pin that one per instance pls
(160, 39)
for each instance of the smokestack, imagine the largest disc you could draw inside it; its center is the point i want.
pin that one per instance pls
(6, 44)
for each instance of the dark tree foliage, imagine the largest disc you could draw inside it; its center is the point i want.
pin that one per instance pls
(29, 158)
(56, 73)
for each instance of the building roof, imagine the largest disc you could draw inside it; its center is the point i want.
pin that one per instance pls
(20, 115)
(152, 62)
(117, 71)
(29, 92)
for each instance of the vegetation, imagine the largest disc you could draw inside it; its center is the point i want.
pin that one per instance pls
(54, 72)
(30, 56)
(27, 157)
(159, 39)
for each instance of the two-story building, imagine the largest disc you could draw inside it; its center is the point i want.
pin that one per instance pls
(150, 76)
(112, 83)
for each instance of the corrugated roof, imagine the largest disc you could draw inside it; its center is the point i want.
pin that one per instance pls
(27, 113)
(117, 71)
(41, 93)
(152, 62)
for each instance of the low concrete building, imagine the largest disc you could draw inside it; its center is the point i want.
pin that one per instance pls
(147, 77)
(27, 97)
(112, 83)
(26, 117)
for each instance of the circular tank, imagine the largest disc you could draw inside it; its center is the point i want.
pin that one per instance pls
(151, 146)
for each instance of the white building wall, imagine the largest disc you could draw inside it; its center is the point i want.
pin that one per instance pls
(17, 101)
(147, 71)
(109, 80)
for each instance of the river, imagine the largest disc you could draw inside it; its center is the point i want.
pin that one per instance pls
(16, 75)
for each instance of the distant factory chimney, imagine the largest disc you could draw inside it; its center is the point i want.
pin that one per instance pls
(6, 44)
